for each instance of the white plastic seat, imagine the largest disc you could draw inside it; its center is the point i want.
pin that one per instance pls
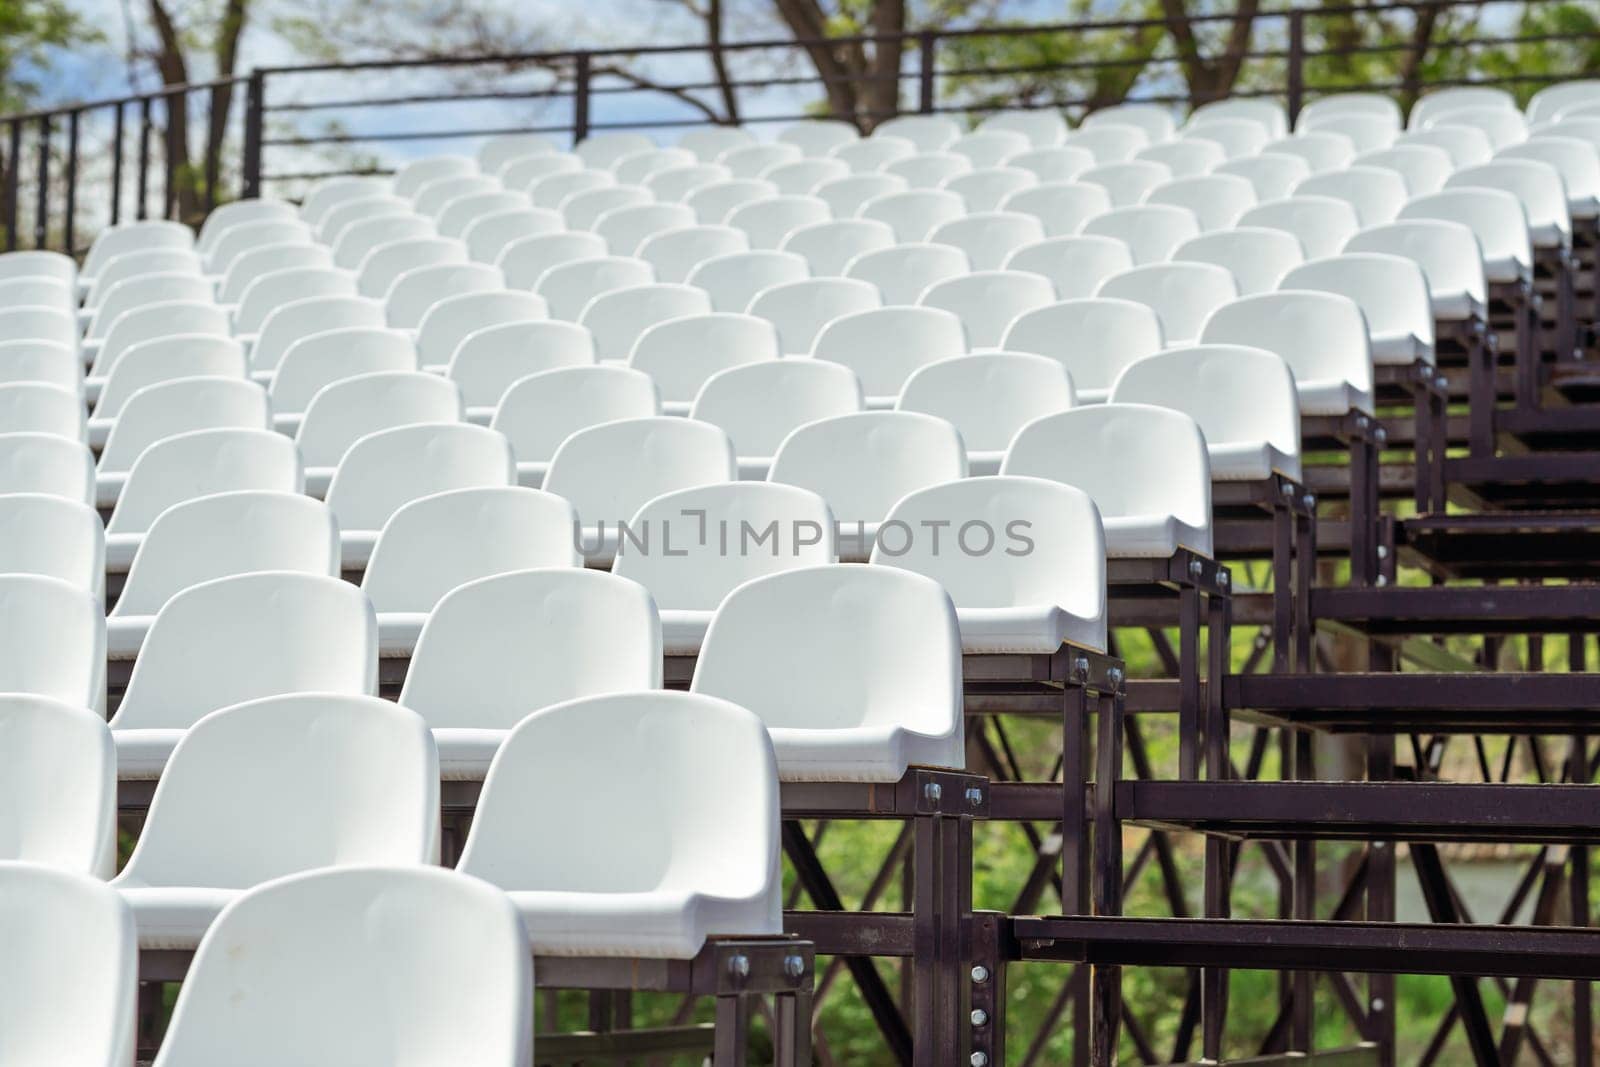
(1155, 121)
(461, 212)
(39, 324)
(1448, 99)
(1320, 150)
(37, 292)
(681, 353)
(325, 195)
(801, 309)
(497, 151)
(169, 408)
(1448, 254)
(365, 791)
(915, 213)
(624, 229)
(583, 210)
(674, 254)
(301, 319)
(269, 259)
(635, 167)
(1424, 168)
(40, 263)
(714, 202)
(53, 536)
(1578, 163)
(758, 404)
(1183, 159)
(193, 465)
(1539, 188)
(872, 154)
(142, 236)
(218, 536)
(1152, 232)
(434, 197)
(602, 151)
(568, 288)
(1237, 137)
(989, 301)
(1145, 467)
(526, 260)
(1273, 175)
(71, 970)
(1467, 146)
(239, 240)
(1217, 200)
(929, 133)
(828, 247)
(1376, 193)
(1010, 600)
(130, 265)
(307, 947)
(1062, 206)
(733, 280)
(271, 291)
(358, 240)
(450, 320)
(488, 361)
(343, 412)
(315, 362)
(902, 273)
(1322, 336)
(1368, 133)
(162, 360)
(846, 196)
(989, 147)
(986, 189)
(1059, 163)
(712, 141)
(1242, 397)
(1322, 224)
(701, 883)
(540, 411)
(768, 221)
(38, 407)
(555, 188)
(1550, 101)
(1392, 293)
(862, 463)
(884, 346)
(487, 236)
(1256, 256)
(988, 397)
(382, 266)
(753, 160)
(495, 648)
(419, 172)
(617, 319)
(333, 224)
(139, 292)
(1181, 294)
(1503, 126)
(55, 644)
(609, 471)
(150, 321)
(1043, 127)
(800, 177)
(929, 170)
(521, 172)
(32, 462)
(438, 543)
(1126, 182)
(48, 362)
(724, 535)
(1495, 217)
(60, 770)
(989, 238)
(1075, 266)
(879, 689)
(1265, 112)
(1093, 338)
(818, 137)
(1350, 103)
(1110, 142)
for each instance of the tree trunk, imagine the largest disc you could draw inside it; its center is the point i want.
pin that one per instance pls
(808, 23)
(174, 70)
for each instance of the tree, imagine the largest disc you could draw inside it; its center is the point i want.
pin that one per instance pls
(31, 32)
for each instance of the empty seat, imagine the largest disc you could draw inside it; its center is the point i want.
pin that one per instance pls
(488, 361)
(1272, 174)
(1111, 142)
(1368, 133)
(989, 238)
(1495, 217)
(583, 210)
(1060, 163)
(435, 197)
(303, 318)
(635, 167)
(32, 462)
(142, 236)
(818, 137)
(240, 240)
(1423, 167)
(71, 969)
(1062, 206)
(38, 407)
(1043, 127)
(1539, 188)
(1350, 103)
(883, 346)
(714, 202)
(1321, 151)
(1466, 145)
(1376, 193)
(417, 291)
(1391, 292)
(348, 408)
(149, 322)
(1184, 159)
(37, 292)
(419, 172)
(523, 171)
(803, 175)
(712, 141)
(682, 353)
(55, 644)
(47, 362)
(1439, 101)
(1155, 121)
(1322, 336)
(1503, 126)
(325, 195)
(333, 224)
(845, 196)
(39, 263)
(989, 301)
(488, 235)
(1237, 137)
(380, 267)
(51, 535)
(1182, 294)
(624, 229)
(1152, 232)
(1095, 339)
(768, 221)
(448, 321)
(332, 356)
(988, 397)
(599, 470)
(902, 273)
(1145, 468)
(754, 160)
(693, 547)
(1449, 256)
(603, 151)
(568, 288)
(1242, 397)
(989, 147)
(801, 309)
(929, 133)
(1267, 113)
(674, 254)
(1322, 224)
(733, 280)
(436, 543)
(540, 411)
(499, 150)
(985, 190)
(140, 292)
(131, 265)
(828, 247)
(360, 239)
(60, 770)
(1550, 101)
(271, 291)
(498, 647)
(307, 947)
(1578, 163)
(1256, 256)
(39, 324)
(617, 319)
(218, 536)
(879, 688)
(1217, 200)
(929, 170)
(915, 213)
(161, 360)
(166, 409)
(526, 260)
(759, 403)
(1126, 182)
(862, 463)
(270, 259)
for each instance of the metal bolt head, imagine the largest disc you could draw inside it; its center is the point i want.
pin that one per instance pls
(1114, 676)
(1223, 578)
(980, 974)
(974, 797)
(794, 966)
(739, 966)
(1383, 551)
(1081, 667)
(933, 792)
(1378, 1004)
(980, 1017)
(1196, 568)
(1288, 490)
(1380, 435)
(979, 1059)
(1363, 422)
(1383, 579)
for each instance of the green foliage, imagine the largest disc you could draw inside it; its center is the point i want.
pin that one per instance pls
(29, 31)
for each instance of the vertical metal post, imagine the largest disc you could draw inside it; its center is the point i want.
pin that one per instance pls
(214, 143)
(580, 97)
(116, 166)
(69, 237)
(144, 158)
(927, 46)
(255, 106)
(1296, 74)
(172, 151)
(13, 169)
(41, 206)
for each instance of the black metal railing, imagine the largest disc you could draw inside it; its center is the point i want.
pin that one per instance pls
(68, 171)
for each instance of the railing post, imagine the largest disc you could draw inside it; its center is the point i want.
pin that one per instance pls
(214, 135)
(13, 168)
(41, 204)
(116, 166)
(580, 97)
(69, 237)
(927, 45)
(1296, 87)
(144, 158)
(255, 100)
